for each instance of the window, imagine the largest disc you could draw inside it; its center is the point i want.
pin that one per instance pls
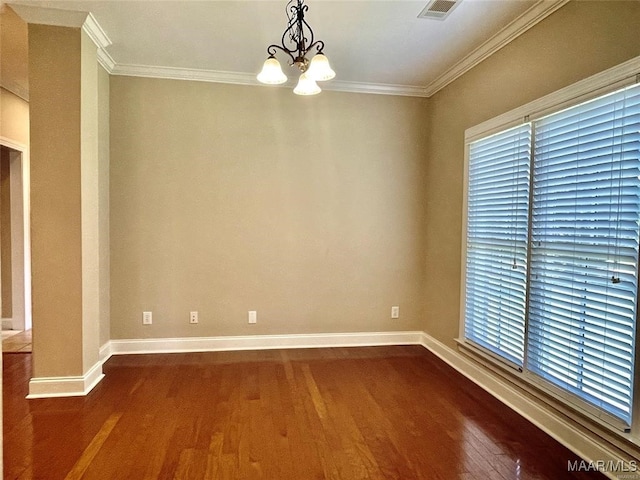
(553, 224)
(497, 225)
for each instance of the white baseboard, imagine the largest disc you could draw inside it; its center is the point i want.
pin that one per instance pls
(48, 387)
(105, 352)
(258, 342)
(585, 446)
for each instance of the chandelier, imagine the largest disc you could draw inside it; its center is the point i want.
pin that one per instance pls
(300, 40)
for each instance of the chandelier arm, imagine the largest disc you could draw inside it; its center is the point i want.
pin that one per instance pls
(271, 50)
(319, 44)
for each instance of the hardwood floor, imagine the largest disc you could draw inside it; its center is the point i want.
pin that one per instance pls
(19, 342)
(342, 413)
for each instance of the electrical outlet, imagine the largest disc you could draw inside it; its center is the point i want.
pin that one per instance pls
(253, 316)
(193, 317)
(147, 318)
(395, 312)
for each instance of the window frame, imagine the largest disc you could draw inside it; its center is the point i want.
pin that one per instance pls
(608, 81)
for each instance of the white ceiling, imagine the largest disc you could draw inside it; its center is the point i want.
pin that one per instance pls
(372, 44)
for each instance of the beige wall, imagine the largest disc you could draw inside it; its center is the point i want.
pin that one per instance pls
(14, 118)
(580, 39)
(56, 240)
(65, 241)
(319, 212)
(103, 203)
(226, 199)
(14, 71)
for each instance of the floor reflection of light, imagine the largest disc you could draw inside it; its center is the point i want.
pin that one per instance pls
(481, 454)
(476, 456)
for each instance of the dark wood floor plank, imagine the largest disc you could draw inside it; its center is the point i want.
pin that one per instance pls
(372, 413)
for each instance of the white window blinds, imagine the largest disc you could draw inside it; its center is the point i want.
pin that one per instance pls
(584, 251)
(497, 216)
(553, 225)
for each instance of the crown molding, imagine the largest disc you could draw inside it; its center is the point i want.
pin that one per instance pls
(106, 60)
(65, 18)
(71, 19)
(177, 73)
(100, 38)
(238, 78)
(92, 28)
(376, 88)
(88, 23)
(524, 22)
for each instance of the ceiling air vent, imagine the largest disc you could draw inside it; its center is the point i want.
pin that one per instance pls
(438, 9)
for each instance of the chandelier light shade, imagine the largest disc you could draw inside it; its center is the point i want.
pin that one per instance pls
(298, 43)
(272, 73)
(319, 69)
(306, 86)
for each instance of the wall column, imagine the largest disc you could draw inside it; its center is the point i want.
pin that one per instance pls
(64, 210)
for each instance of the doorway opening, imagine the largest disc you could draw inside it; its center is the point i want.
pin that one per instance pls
(15, 252)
